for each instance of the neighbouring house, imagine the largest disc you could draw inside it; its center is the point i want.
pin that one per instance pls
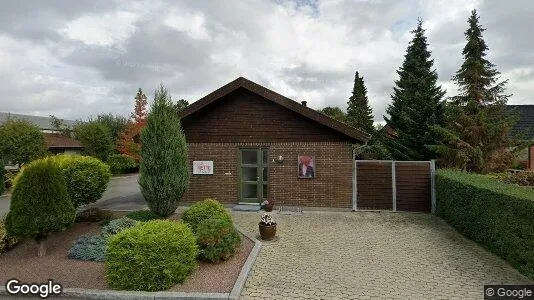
(524, 129)
(57, 141)
(247, 143)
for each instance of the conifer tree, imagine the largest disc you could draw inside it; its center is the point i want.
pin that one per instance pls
(359, 113)
(417, 103)
(476, 137)
(164, 171)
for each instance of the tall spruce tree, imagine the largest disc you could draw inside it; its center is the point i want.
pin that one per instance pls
(359, 113)
(164, 171)
(417, 103)
(476, 137)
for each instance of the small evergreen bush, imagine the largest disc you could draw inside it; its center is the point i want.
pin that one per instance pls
(118, 225)
(205, 209)
(86, 177)
(89, 247)
(217, 239)
(39, 203)
(151, 256)
(142, 215)
(6, 241)
(94, 214)
(2, 177)
(122, 164)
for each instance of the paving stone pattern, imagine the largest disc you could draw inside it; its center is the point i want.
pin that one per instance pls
(366, 255)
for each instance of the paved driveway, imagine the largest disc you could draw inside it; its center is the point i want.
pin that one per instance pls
(370, 256)
(122, 194)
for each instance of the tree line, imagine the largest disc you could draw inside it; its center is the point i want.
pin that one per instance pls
(468, 131)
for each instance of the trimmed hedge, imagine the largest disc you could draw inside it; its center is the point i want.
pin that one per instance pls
(122, 164)
(217, 239)
(497, 215)
(151, 256)
(39, 203)
(203, 210)
(143, 215)
(86, 177)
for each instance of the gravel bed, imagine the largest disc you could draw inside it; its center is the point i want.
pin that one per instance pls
(22, 263)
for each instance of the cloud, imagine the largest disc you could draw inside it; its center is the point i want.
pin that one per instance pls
(75, 59)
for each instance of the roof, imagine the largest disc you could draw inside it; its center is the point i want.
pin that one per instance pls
(44, 123)
(270, 95)
(58, 140)
(525, 123)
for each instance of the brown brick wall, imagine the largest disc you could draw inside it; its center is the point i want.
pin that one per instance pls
(331, 187)
(245, 117)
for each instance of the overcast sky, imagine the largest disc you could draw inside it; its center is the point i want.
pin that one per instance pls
(75, 59)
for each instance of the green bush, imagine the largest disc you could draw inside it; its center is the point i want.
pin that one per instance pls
(89, 247)
(217, 239)
(6, 241)
(202, 210)
(94, 214)
(39, 203)
(142, 215)
(152, 256)
(164, 166)
(122, 164)
(86, 177)
(118, 225)
(497, 215)
(95, 138)
(2, 177)
(525, 178)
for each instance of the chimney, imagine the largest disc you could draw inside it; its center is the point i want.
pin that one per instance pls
(303, 103)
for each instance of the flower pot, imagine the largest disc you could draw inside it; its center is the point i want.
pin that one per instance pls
(267, 232)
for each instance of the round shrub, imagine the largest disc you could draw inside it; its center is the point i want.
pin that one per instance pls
(86, 177)
(39, 203)
(205, 209)
(118, 225)
(217, 239)
(89, 247)
(143, 215)
(6, 241)
(122, 164)
(151, 256)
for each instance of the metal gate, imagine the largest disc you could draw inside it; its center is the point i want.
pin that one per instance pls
(394, 185)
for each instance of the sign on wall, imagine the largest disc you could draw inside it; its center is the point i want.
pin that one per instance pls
(202, 167)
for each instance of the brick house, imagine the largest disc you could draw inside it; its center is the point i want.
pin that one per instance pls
(524, 129)
(247, 143)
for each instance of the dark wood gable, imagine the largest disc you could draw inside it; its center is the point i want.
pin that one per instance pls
(244, 116)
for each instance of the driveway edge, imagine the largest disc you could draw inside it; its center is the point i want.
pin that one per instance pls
(93, 294)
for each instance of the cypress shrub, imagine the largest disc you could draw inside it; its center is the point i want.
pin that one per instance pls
(151, 256)
(40, 202)
(86, 177)
(497, 215)
(142, 215)
(164, 172)
(217, 239)
(203, 210)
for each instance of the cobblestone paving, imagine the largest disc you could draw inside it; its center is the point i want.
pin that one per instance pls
(332, 255)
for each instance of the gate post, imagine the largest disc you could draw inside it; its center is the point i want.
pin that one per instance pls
(354, 183)
(394, 185)
(433, 186)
